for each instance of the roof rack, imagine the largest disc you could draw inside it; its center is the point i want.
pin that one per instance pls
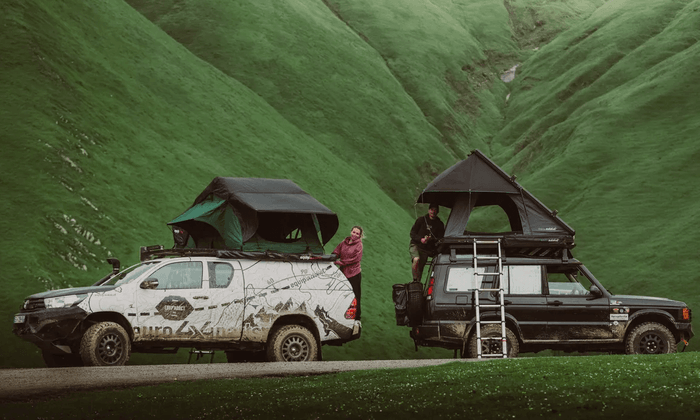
(158, 251)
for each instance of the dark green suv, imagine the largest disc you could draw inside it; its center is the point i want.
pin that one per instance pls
(546, 303)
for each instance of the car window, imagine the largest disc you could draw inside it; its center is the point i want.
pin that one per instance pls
(567, 281)
(522, 279)
(179, 275)
(220, 275)
(462, 279)
(129, 274)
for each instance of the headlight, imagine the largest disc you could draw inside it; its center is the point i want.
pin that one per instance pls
(64, 301)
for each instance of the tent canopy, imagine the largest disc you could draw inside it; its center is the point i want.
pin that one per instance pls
(477, 182)
(255, 214)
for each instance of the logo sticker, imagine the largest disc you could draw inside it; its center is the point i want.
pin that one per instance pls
(174, 308)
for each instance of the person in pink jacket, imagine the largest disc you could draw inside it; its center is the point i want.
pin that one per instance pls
(349, 254)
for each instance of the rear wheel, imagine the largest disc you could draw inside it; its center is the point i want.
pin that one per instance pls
(105, 344)
(493, 346)
(292, 343)
(414, 304)
(650, 338)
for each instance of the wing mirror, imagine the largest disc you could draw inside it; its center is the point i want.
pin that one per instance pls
(595, 291)
(149, 283)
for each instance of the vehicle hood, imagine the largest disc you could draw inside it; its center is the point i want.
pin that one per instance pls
(630, 300)
(71, 291)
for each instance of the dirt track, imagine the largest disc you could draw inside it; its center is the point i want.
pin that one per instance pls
(27, 384)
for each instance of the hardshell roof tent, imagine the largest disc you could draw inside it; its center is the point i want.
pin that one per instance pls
(255, 214)
(476, 182)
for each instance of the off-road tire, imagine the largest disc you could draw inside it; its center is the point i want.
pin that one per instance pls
(292, 343)
(53, 360)
(105, 344)
(650, 338)
(414, 303)
(493, 346)
(239, 356)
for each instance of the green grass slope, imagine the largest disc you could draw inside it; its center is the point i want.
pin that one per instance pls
(602, 120)
(112, 128)
(116, 115)
(318, 74)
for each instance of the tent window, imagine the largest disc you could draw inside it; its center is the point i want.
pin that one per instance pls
(294, 235)
(488, 219)
(285, 228)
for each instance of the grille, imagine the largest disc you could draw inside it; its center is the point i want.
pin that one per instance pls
(33, 304)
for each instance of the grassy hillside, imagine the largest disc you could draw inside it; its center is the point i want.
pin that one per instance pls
(117, 114)
(610, 139)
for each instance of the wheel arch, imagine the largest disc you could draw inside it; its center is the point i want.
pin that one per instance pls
(115, 317)
(511, 324)
(660, 317)
(296, 319)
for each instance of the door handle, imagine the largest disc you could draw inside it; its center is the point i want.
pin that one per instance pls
(200, 297)
(555, 302)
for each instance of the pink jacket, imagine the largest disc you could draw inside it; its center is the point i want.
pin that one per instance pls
(350, 255)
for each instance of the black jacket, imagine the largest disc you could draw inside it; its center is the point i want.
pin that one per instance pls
(424, 226)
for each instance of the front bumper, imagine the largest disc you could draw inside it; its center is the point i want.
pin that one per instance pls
(48, 326)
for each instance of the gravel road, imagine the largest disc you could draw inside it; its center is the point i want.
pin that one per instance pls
(27, 384)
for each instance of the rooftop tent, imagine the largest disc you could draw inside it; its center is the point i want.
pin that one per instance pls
(476, 182)
(255, 214)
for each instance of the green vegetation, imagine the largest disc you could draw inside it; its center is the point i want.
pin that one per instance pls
(117, 114)
(628, 387)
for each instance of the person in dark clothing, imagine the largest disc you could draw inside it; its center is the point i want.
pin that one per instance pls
(425, 233)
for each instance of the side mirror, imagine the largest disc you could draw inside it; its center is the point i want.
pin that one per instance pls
(149, 283)
(595, 291)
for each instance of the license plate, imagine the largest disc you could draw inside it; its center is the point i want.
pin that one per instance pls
(19, 319)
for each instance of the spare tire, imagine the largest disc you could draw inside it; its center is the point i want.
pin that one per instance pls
(414, 306)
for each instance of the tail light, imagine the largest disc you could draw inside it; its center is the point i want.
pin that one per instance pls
(352, 310)
(431, 284)
(686, 314)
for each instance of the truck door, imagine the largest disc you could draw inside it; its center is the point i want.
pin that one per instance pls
(226, 300)
(573, 313)
(525, 299)
(175, 308)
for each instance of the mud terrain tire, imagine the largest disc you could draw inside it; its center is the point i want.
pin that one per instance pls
(650, 338)
(292, 343)
(493, 346)
(105, 344)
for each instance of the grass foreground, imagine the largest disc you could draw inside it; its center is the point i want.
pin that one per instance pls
(609, 386)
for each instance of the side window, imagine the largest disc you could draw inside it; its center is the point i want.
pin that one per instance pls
(220, 275)
(567, 281)
(180, 275)
(522, 279)
(462, 279)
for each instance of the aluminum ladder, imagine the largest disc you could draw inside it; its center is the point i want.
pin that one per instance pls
(501, 305)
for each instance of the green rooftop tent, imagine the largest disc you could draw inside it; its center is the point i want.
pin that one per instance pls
(477, 182)
(255, 214)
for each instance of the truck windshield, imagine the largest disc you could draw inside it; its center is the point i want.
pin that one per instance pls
(129, 274)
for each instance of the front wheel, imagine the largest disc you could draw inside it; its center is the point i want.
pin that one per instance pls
(105, 344)
(493, 346)
(292, 343)
(650, 338)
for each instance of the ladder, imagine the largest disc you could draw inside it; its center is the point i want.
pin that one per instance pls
(501, 305)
